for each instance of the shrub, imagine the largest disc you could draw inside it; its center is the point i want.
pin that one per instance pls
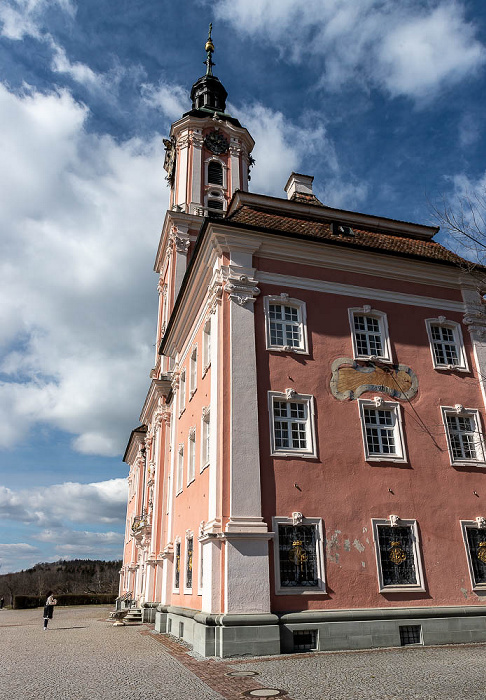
(35, 601)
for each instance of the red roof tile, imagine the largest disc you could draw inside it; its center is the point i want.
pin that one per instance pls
(318, 230)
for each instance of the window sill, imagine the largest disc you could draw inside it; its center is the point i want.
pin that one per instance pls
(191, 393)
(373, 358)
(471, 463)
(191, 481)
(451, 368)
(403, 589)
(205, 466)
(179, 492)
(187, 591)
(387, 458)
(479, 587)
(205, 370)
(301, 591)
(181, 411)
(299, 455)
(288, 349)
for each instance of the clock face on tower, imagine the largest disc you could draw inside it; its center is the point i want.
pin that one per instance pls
(216, 143)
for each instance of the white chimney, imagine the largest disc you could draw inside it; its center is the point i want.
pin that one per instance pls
(299, 184)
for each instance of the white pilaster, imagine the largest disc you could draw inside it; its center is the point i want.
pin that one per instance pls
(182, 169)
(235, 154)
(247, 586)
(180, 237)
(475, 320)
(196, 185)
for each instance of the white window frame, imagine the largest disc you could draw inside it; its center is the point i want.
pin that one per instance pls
(461, 365)
(209, 185)
(205, 438)
(189, 535)
(193, 372)
(291, 396)
(378, 404)
(381, 318)
(284, 300)
(206, 347)
(473, 413)
(191, 456)
(405, 587)
(182, 392)
(180, 470)
(465, 525)
(317, 524)
(177, 541)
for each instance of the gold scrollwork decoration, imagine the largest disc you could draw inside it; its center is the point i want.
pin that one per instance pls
(482, 552)
(189, 561)
(397, 555)
(297, 555)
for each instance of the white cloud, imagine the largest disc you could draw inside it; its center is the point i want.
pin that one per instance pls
(404, 48)
(82, 543)
(21, 18)
(282, 146)
(80, 217)
(15, 556)
(173, 100)
(49, 507)
(79, 72)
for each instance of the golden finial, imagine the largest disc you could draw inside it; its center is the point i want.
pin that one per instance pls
(209, 43)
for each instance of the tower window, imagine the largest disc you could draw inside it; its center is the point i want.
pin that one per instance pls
(215, 173)
(215, 204)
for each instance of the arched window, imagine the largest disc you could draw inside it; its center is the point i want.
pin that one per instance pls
(215, 173)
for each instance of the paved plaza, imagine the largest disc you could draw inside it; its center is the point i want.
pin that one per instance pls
(84, 657)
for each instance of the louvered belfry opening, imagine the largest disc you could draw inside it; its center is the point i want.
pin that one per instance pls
(215, 173)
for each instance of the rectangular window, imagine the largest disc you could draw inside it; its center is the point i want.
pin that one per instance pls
(382, 431)
(180, 468)
(177, 565)
(189, 558)
(191, 460)
(285, 324)
(298, 556)
(206, 439)
(475, 542)
(410, 634)
(182, 391)
(206, 346)
(292, 430)
(464, 437)
(193, 372)
(446, 344)
(369, 331)
(399, 565)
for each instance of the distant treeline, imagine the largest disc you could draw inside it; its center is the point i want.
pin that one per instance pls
(76, 577)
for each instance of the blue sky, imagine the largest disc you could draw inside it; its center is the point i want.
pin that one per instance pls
(381, 101)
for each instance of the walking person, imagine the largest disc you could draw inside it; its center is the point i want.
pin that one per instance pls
(2, 602)
(49, 609)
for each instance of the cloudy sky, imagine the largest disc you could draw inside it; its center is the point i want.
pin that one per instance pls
(381, 101)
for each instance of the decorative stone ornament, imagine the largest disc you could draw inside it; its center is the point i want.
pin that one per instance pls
(241, 289)
(481, 522)
(297, 518)
(216, 143)
(290, 393)
(394, 520)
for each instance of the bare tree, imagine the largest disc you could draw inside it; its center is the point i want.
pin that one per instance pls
(465, 222)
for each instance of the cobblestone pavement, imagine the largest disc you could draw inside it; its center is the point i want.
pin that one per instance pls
(83, 657)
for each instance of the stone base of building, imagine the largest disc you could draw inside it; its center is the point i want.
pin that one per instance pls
(322, 630)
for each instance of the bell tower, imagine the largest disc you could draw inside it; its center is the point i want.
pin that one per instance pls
(208, 154)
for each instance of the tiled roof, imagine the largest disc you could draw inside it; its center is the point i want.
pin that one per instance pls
(319, 230)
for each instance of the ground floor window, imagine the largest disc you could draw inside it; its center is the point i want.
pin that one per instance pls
(475, 541)
(298, 555)
(398, 557)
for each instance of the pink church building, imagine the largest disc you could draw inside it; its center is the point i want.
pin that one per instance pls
(309, 472)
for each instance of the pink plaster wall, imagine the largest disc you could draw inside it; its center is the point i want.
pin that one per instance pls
(340, 486)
